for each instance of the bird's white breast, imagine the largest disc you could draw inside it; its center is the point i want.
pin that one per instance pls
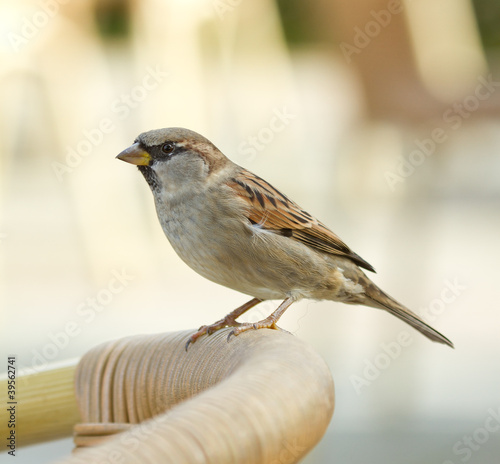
(211, 234)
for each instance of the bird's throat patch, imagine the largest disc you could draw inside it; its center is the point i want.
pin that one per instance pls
(151, 178)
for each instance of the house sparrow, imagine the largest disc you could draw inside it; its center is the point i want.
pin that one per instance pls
(237, 230)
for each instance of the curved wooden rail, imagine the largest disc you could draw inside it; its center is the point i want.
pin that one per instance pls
(264, 397)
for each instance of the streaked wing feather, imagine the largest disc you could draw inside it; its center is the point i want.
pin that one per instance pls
(275, 212)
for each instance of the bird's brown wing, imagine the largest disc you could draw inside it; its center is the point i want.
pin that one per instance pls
(273, 211)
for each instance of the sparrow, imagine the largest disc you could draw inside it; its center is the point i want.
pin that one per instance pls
(236, 229)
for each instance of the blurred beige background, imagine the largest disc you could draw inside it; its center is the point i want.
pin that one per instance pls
(381, 118)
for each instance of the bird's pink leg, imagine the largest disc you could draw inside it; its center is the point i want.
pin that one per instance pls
(228, 321)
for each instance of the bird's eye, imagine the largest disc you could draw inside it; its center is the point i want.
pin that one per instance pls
(167, 148)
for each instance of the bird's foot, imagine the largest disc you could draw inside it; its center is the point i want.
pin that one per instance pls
(268, 323)
(228, 321)
(210, 329)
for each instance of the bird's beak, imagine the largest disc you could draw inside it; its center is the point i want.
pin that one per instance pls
(135, 155)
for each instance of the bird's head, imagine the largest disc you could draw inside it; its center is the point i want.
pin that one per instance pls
(173, 160)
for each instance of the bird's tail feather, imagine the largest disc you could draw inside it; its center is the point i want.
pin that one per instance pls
(379, 299)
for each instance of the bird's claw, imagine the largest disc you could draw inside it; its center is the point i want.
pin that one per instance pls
(201, 331)
(211, 329)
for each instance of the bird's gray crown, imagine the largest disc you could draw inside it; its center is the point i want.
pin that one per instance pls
(170, 134)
